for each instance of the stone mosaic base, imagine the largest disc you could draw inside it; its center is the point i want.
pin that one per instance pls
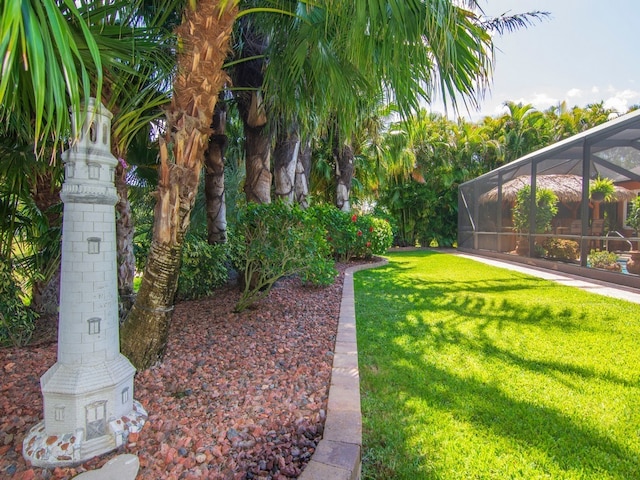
(50, 451)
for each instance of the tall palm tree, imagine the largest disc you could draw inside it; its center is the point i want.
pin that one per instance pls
(403, 52)
(205, 39)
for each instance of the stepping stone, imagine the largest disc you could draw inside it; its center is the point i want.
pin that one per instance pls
(122, 467)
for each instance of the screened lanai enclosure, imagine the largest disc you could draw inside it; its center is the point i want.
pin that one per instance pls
(580, 218)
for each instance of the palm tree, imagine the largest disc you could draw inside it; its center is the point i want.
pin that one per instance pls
(248, 75)
(401, 52)
(525, 130)
(214, 176)
(285, 161)
(205, 35)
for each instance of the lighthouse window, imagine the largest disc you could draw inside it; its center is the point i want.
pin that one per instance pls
(59, 413)
(94, 325)
(70, 169)
(105, 134)
(94, 245)
(125, 395)
(93, 134)
(94, 171)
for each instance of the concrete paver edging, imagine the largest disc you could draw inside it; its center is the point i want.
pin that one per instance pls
(338, 455)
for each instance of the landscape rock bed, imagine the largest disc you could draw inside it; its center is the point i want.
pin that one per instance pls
(237, 396)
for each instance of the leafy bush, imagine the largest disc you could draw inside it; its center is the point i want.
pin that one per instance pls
(603, 259)
(353, 236)
(17, 321)
(539, 251)
(203, 268)
(546, 209)
(633, 218)
(279, 240)
(562, 249)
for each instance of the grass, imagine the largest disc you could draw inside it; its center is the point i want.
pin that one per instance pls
(475, 372)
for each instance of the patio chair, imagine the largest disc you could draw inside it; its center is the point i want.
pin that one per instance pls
(576, 227)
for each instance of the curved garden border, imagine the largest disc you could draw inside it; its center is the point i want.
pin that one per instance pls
(338, 454)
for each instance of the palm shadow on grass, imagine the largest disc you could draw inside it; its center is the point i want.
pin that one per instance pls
(406, 380)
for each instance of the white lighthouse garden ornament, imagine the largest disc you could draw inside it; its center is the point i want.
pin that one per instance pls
(88, 393)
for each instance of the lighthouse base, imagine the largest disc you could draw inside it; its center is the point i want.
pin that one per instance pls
(69, 449)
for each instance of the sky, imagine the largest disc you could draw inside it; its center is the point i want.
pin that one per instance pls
(586, 51)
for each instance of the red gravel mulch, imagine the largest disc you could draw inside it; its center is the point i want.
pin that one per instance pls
(237, 396)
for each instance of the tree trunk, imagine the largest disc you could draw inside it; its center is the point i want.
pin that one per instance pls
(205, 36)
(285, 160)
(257, 186)
(344, 175)
(303, 173)
(126, 260)
(214, 178)
(248, 76)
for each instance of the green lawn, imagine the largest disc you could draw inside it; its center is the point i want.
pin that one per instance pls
(475, 372)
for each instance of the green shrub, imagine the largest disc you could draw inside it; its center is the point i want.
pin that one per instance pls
(203, 268)
(353, 236)
(562, 249)
(279, 240)
(539, 251)
(17, 321)
(546, 209)
(603, 259)
(633, 217)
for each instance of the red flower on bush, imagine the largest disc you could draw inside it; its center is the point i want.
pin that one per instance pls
(368, 244)
(359, 233)
(370, 229)
(354, 218)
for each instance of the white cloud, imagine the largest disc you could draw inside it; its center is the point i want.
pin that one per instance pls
(621, 100)
(574, 92)
(541, 101)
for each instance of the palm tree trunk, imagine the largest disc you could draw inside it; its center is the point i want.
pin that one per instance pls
(126, 259)
(214, 178)
(303, 173)
(285, 160)
(344, 175)
(257, 186)
(248, 77)
(205, 35)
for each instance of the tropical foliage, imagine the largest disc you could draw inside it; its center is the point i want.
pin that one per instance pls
(16, 321)
(124, 54)
(546, 208)
(352, 236)
(279, 240)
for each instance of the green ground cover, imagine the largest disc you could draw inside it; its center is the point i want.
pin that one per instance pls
(475, 372)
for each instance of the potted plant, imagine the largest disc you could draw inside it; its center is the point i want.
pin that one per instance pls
(633, 220)
(546, 209)
(601, 189)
